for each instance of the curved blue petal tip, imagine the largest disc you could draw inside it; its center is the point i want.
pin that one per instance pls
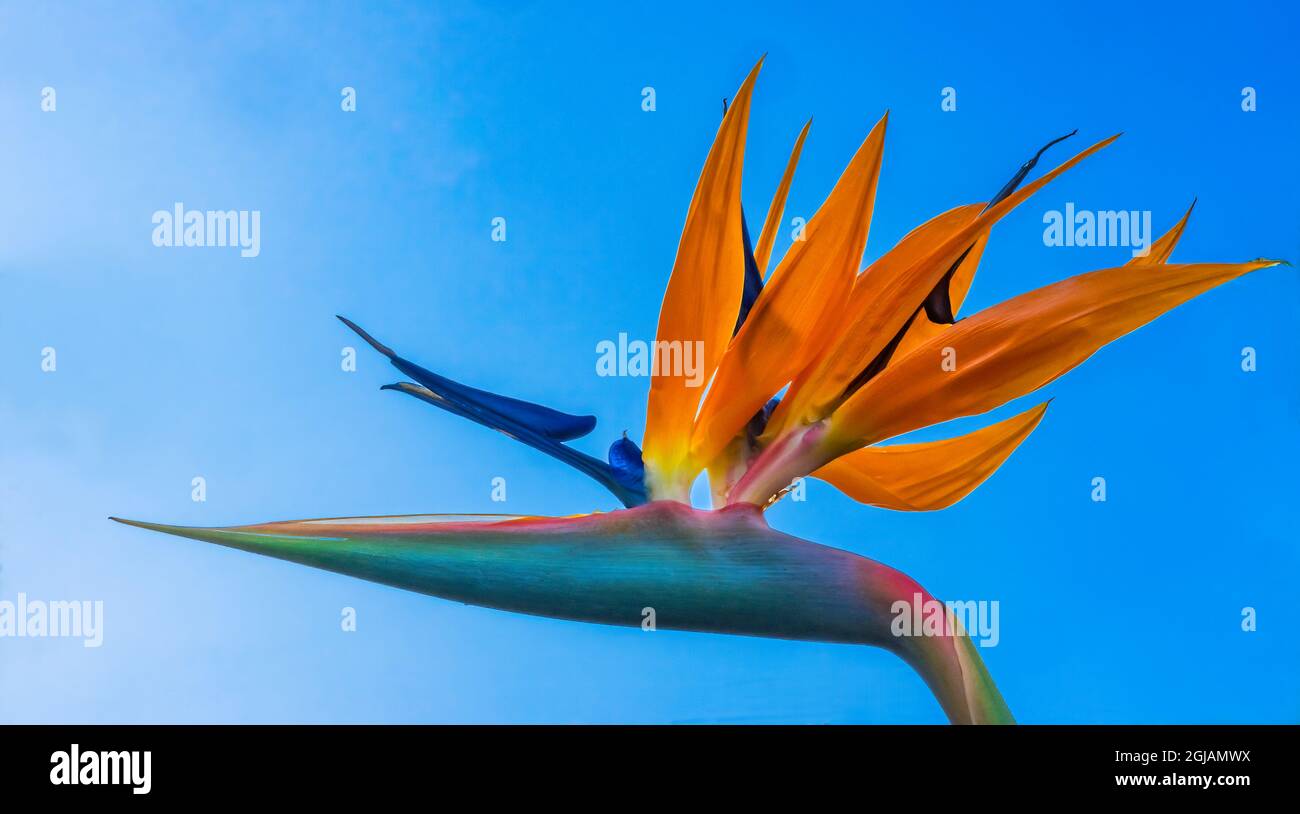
(626, 464)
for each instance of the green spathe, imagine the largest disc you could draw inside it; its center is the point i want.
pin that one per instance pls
(722, 571)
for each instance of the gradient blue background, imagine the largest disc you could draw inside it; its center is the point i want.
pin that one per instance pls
(174, 363)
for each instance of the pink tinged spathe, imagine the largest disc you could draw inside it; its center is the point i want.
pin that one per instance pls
(722, 571)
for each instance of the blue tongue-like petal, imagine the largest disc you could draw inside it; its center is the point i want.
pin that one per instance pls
(539, 427)
(628, 492)
(543, 420)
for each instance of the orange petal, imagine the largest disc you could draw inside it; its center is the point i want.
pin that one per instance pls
(701, 302)
(892, 294)
(767, 238)
(923, 330)
(929, 476)
(795, 314)
(1015, 347)
(915, 245)
(1162, 248)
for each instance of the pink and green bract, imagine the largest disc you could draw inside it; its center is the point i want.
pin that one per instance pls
(809, 369)
(720, 571)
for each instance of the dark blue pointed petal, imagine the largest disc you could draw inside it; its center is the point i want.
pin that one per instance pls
(626, 463)
(1010, 186)
(628, 494)
(938, 305)
(753, 279)
(758, 423)
(550, 423)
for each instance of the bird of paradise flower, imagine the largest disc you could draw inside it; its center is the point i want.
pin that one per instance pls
(856, 358)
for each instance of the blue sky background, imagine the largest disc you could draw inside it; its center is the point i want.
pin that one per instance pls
(174, 363)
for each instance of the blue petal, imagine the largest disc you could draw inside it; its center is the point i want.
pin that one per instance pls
(539, 427)
(550, 423)
(938, 305)
(628, 494)
(626, 463)
(1011, 185)
(753, 279)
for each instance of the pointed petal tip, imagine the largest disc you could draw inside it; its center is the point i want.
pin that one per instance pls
(370, 340)
(1053, 143)
(1027, 342)
(1106, 142)
(141, 524)
(1264, 263)
(771, 223)
(411, 388)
